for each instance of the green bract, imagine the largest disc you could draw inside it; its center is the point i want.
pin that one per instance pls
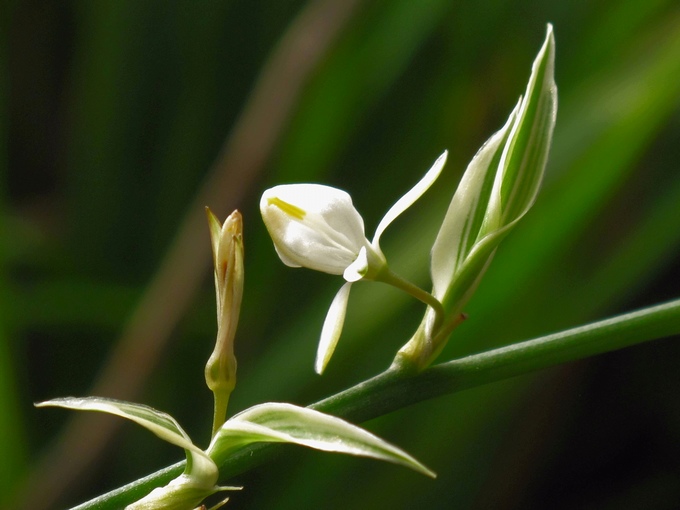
(498, 188)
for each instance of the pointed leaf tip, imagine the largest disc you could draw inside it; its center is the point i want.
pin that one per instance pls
(201, 468)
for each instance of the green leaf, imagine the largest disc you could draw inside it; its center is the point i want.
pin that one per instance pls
(200, 467)
(498, 188)
(526, 151)
(463, 220)
(286, 423)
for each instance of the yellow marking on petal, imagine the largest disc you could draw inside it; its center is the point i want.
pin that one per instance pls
(289, 209)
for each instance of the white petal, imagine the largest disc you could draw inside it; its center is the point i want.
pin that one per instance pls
(313, 226)
(333, 205)
(357, 269)
(409, 198)
(299, 245)
(332, 328)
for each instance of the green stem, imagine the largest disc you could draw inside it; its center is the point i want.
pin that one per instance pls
(395, 389)
(391, 278)
(220, 410)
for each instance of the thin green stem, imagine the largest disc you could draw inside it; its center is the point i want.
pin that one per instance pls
(396, 389)
(391, 278)
(220, 412)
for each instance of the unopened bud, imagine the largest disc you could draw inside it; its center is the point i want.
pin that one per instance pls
(227, 246)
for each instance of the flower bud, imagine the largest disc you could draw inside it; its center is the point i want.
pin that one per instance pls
(227, 245)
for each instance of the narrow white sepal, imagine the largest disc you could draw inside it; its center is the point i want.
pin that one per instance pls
(409, 198)
(332, 328)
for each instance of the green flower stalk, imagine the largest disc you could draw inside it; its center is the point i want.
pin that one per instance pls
(227, 248)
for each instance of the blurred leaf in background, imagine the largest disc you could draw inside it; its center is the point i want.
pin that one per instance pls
(114, 111)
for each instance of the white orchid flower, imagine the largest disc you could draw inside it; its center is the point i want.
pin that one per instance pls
(317, 227)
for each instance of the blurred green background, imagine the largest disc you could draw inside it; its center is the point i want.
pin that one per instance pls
(114, 112)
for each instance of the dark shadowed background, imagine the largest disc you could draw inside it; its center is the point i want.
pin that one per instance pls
(114, 120)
